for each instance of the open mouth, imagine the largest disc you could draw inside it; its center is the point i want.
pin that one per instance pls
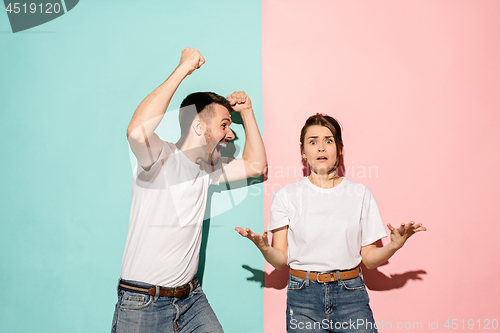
(322, 158)
(219, 146)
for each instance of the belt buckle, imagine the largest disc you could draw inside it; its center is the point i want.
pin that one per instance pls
(317, 276)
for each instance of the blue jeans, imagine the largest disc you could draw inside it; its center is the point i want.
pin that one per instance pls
(135, 312)
(340, 306)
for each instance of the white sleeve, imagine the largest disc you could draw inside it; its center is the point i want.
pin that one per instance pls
(279, 211)
(154, 169)
(372, 227)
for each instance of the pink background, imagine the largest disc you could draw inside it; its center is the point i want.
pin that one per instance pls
(416, 86)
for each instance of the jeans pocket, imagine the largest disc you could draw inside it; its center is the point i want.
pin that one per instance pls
(353, 284)
(295, 283)
(134, 301)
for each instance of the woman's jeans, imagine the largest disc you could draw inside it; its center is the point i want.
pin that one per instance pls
(340, 306)
(137, 312)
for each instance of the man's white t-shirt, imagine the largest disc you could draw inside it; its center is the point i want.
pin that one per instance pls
(326, 227)
(166, 218)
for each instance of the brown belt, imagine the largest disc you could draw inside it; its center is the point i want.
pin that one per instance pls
(179, 292)
(326, 276)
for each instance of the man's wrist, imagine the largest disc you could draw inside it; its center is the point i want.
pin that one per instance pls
(182, 70)
(247, 113)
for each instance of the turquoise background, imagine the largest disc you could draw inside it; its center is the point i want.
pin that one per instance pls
(68, 89)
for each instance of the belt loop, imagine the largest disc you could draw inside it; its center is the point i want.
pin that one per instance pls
(338, 276)
(157, 294)
(307, 278)
(191, 287)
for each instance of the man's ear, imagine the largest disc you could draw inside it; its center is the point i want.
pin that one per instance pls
(198, 126)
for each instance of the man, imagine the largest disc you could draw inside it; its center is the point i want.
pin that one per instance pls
(158, 290)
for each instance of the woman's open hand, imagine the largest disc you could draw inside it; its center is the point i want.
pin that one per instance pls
(401, 234)
(260, 240)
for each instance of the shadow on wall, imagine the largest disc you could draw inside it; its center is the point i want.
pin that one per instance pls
(207, 221)
(278, 279)
(230, 151)
(376, 280)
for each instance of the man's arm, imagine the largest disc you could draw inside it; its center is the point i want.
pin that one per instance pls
(253, 161)
(145, 144)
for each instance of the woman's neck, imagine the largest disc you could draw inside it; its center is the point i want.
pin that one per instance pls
(325, 180)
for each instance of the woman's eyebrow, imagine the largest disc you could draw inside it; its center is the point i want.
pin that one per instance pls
(315, 137)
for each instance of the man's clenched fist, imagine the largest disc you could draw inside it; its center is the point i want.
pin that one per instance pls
(191, 59)
(240, 101)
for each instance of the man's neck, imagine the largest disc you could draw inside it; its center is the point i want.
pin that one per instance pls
(191, 149)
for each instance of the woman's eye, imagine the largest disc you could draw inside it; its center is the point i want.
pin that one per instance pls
(313, 142)
(328, 141)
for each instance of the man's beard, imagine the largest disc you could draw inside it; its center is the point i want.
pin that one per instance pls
(213, 147)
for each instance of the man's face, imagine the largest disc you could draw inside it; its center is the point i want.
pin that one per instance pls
(218, 134)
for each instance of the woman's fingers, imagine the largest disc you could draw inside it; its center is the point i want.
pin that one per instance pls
(258, 239)
(241, 231)
(250, 233)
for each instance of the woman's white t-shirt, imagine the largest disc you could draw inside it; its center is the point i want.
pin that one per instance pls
(327, 227)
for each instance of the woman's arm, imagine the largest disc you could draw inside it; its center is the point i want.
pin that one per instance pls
(276, 255)
(372, 256)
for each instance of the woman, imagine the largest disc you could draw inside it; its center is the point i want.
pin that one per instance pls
(323, 227)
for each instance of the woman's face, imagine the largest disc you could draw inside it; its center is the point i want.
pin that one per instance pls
(319, 149)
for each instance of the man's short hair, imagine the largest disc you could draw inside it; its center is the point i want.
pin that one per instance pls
(202, 102)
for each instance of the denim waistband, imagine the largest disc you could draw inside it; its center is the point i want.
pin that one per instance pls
(145, 285)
